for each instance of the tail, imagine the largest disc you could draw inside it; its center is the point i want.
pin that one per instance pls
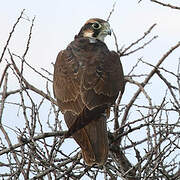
(92, 139)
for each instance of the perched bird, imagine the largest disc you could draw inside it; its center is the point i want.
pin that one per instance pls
(87, 80)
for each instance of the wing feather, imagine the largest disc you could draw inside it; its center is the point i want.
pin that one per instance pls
(87, 75)
(87, 80)
(66, 83)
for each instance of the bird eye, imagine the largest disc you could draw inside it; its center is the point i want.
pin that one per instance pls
(96, 25)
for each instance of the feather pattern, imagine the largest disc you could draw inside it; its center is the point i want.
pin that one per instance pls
(87, 81)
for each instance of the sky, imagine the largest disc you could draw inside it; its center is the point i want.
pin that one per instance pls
(58, 21)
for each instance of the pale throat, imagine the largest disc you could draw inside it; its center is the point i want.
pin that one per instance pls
(101, 36)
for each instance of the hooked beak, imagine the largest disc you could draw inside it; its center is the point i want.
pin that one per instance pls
(109, 32)
(107, 29)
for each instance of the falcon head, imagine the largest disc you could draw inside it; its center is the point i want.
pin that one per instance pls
(95, 28)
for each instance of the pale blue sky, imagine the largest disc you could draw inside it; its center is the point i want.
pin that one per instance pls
(58, 21)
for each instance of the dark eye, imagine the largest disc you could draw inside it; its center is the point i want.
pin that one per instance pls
(96, 25)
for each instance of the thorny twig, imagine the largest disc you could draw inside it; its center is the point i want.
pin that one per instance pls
(166, 5)
(10, 34)
(149, 137)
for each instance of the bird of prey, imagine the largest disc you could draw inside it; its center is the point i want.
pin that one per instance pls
(87, 80)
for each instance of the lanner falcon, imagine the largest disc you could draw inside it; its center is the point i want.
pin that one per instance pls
(87, 80)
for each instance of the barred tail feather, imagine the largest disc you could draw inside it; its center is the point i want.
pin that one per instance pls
(92, 139)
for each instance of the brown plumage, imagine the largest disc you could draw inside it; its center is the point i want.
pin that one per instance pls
(87, 80)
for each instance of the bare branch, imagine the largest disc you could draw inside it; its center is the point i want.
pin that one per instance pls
(137, 41)
(143, 132)
(24, 141)
(166, 5)
(10, 35)
(146, 81)
(28, 85)
(111, 11)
